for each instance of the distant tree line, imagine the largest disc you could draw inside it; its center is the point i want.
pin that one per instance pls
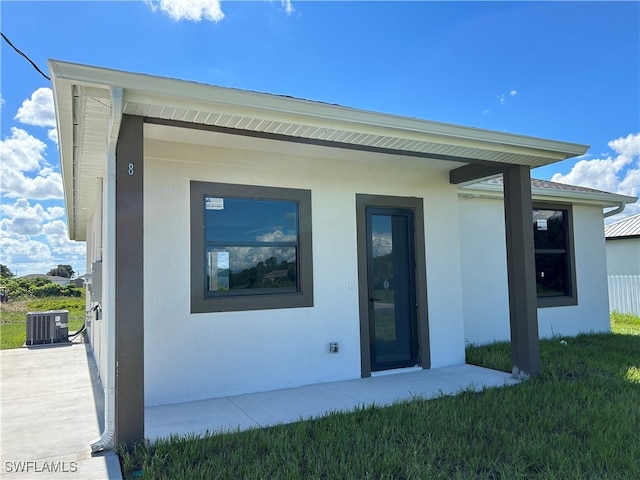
(60, 271)
(258, 276)
(39, 287)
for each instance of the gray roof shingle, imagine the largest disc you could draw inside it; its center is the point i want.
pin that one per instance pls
(537, 183)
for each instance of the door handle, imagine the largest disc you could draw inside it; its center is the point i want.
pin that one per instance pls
(375, 299)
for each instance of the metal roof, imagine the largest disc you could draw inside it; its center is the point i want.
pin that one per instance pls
(88, 98)
(627, 227)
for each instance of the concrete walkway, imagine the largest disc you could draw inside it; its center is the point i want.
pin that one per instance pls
(256, 410)
(51, 408)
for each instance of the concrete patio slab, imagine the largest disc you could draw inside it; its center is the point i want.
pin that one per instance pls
(256, 410)
(51, 408)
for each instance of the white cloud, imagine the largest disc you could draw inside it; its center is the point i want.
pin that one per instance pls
(25, 219)
(38, 110)
(198, 10)
(248, 257)
(53, 135)
(56, 229)
(288, 6)
(47, 185)
(58, 238)
(33, 239)
(628, 146)
(21, 244)
(44, 187)
(193, 10)
(382, 244)
(503, 96)
(24, 255)
(275, 236)
(23, 153)
(619, 173)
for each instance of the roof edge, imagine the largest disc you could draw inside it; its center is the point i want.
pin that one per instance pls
(604, 199)
(212, 94)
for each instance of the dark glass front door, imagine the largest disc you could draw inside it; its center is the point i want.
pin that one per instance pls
(391, 285)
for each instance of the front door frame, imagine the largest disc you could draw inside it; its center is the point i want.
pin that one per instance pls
(416, 205)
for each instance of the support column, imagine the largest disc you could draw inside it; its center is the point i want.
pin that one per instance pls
(523, 310)
(129, 310)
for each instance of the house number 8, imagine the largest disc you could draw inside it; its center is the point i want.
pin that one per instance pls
(130, 171)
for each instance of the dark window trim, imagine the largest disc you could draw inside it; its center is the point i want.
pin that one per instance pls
(572, 298)
(200, 302)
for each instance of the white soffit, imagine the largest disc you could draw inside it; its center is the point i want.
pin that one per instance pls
(81, 95)
(190, 136)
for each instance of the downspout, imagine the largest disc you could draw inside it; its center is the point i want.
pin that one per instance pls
(106, 440)
(619, 209)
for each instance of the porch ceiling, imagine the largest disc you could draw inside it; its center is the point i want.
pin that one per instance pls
(84, 110)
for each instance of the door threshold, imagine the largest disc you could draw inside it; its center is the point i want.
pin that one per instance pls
(395, 371)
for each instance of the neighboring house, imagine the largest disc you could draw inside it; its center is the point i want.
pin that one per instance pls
(623, 246)
(53, 279)
(623, 264)
(232, 236)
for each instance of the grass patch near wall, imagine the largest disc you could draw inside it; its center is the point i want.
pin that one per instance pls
(13, 317)
(625, 323)
(577, 420)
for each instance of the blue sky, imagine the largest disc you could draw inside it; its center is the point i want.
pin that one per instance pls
(565, 71)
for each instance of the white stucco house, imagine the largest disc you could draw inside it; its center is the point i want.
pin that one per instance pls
(623, 246)
(239, 241)
(623, 264)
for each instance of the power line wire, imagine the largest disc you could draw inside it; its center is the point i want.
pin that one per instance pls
(24, 55)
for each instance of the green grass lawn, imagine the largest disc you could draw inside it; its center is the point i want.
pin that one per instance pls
(13, 317)
(579, 419)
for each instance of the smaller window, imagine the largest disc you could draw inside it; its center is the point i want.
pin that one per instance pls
(553, 245)
(251, 247)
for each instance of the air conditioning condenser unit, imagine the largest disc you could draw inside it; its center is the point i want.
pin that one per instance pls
(51, 326)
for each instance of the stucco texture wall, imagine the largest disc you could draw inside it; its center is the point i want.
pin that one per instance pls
(484, 275)
(623, 256)
(196, 356)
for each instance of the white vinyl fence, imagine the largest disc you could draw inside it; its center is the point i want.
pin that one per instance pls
(624, 293)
